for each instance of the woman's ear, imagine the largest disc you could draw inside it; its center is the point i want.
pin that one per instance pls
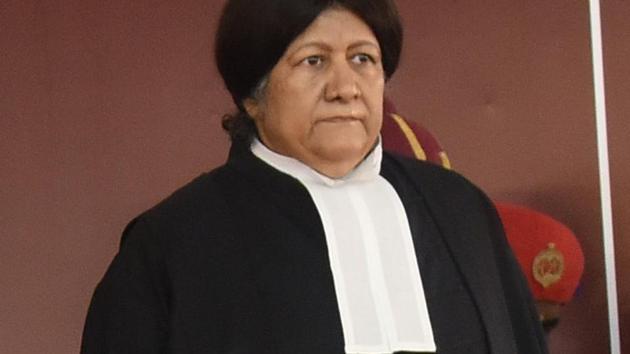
(252, 107)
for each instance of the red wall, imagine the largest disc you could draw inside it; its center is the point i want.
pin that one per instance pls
(106, 107)
(617, 56)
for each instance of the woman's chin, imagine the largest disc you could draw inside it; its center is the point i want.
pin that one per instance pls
(338, 160)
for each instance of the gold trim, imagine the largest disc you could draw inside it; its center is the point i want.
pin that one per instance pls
(411, 137)
(446, 163)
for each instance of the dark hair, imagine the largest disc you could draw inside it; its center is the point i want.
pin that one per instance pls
(254, 34)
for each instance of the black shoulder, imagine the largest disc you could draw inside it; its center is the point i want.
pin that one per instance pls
(433, 179)
(187, 210)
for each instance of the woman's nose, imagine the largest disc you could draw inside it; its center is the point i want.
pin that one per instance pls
(342, 83)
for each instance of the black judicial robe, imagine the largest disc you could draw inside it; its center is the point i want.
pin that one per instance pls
(236, 262)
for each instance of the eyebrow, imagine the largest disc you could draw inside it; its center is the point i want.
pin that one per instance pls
(323, 45)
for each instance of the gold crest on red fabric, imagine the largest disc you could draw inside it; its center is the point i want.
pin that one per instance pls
(548, 266)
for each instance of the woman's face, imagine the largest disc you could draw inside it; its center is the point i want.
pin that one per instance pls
(323, 100)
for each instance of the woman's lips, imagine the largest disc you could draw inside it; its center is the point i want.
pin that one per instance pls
(340, 119)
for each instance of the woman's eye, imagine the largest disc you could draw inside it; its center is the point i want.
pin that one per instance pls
(362, 59)
(313, 60)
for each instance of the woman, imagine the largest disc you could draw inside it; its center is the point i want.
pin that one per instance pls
(310, 239)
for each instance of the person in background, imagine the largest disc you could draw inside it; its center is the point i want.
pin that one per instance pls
(310, 239)
(410, 138)
(549, 254)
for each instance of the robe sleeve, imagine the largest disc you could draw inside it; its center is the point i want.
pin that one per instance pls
(129, 309)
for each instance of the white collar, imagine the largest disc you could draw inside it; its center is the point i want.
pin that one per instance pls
(368, 169)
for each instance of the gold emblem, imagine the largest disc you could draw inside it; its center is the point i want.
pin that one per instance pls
(548, 266)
